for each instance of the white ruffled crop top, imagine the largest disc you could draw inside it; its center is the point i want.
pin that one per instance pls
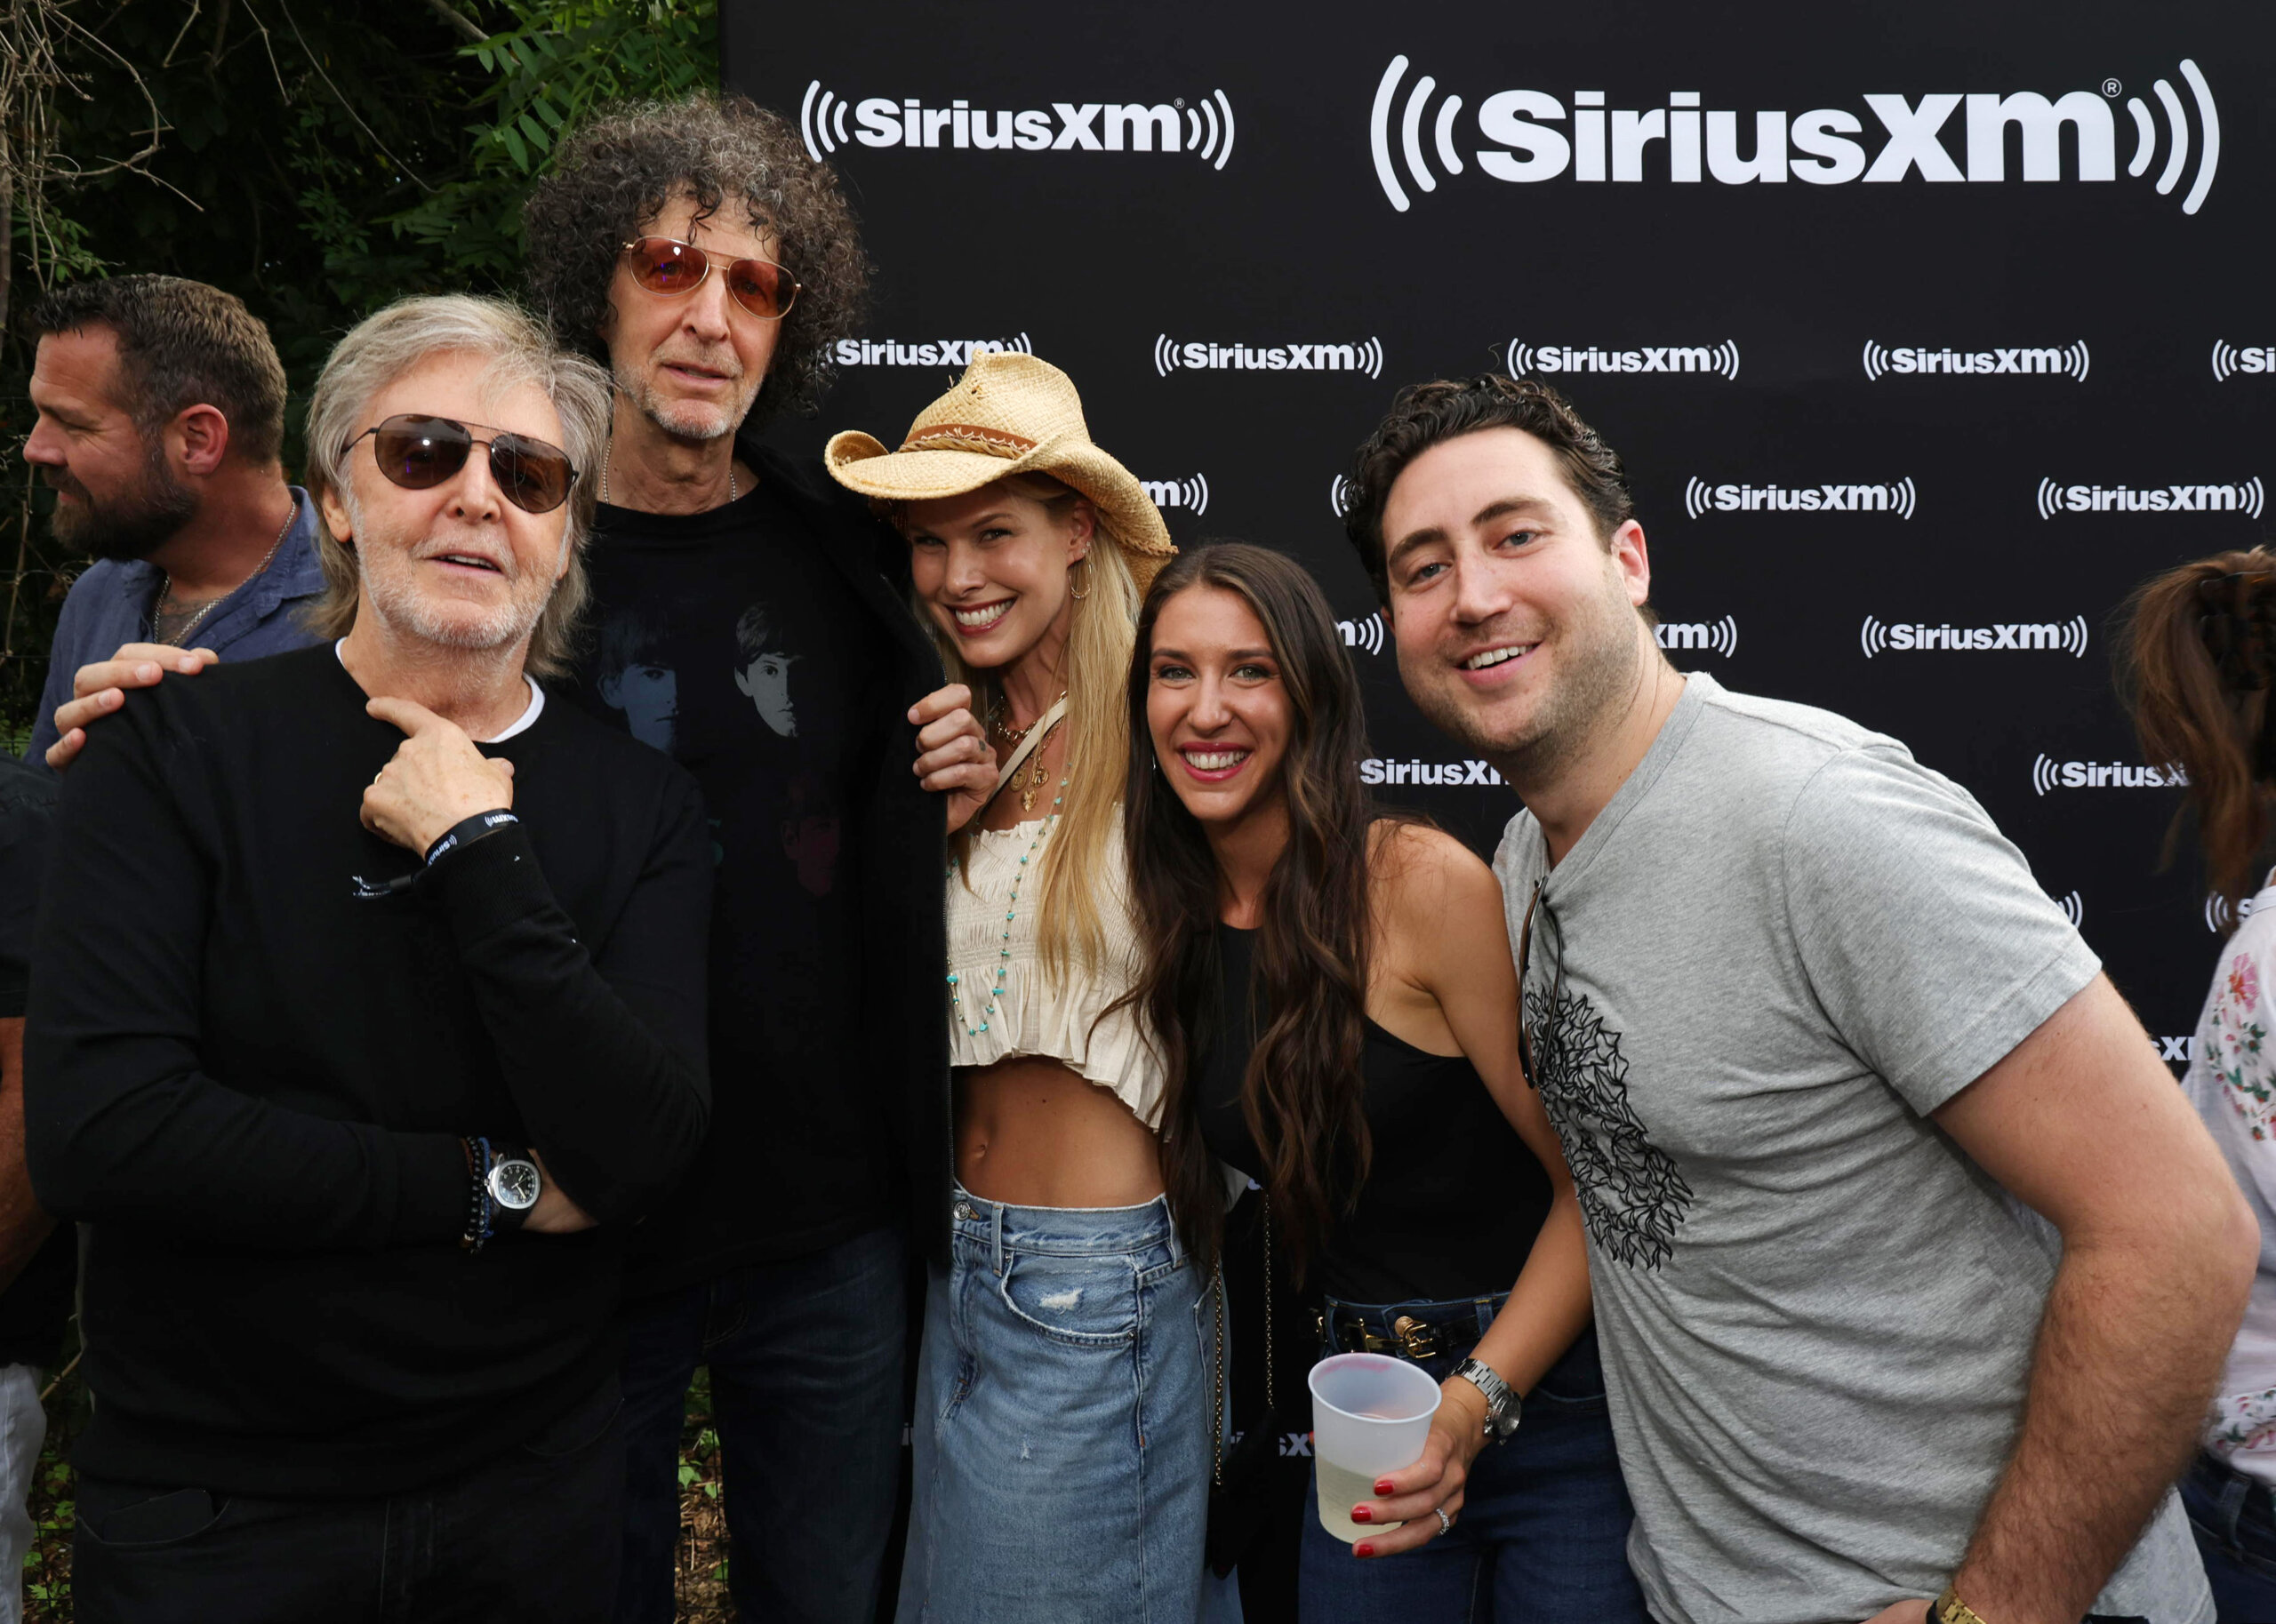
(1032, 1016)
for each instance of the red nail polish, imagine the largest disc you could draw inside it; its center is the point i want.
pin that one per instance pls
(1383, 1486)
(1360, 1514)
(1363, 1549)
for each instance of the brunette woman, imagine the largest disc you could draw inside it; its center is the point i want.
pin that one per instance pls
(1334, 999)
(2202, 662)
(1062, 1420)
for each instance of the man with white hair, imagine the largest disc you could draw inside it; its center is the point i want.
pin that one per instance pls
(367, 1018)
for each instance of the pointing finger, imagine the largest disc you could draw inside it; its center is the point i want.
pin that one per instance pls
(412, 718)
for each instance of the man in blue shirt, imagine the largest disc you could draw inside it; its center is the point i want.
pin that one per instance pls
(161, 407)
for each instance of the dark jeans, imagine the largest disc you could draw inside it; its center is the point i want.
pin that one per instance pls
(807, 1360)
(1542, 1533)
(2235, 1524)
(532, 1536)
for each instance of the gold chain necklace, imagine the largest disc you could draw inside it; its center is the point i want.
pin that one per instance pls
(1014, 737)
(166, 592)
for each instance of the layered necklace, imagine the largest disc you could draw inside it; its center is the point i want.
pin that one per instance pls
(1017, 737)
(166, 591)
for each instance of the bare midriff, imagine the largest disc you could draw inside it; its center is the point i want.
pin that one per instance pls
(1031, 1132)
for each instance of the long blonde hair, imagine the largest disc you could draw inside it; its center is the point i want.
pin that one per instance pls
(1102, 631)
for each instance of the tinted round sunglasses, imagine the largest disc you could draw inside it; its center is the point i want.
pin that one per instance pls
(420, 452)
(668, 267)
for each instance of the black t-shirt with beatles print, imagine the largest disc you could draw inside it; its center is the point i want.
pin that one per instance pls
(732, 641)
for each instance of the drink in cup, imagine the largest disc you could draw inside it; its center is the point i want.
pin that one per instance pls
(1370, 1415)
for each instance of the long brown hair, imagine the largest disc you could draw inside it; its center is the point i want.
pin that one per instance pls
(2198, 660)
(1300, 1094)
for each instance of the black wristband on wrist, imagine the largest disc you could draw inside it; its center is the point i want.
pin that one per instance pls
(466, 831)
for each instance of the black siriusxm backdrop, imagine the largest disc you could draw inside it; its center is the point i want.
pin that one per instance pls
(1989, 285)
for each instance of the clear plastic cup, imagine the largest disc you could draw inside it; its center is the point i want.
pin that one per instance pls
(1370, 1415)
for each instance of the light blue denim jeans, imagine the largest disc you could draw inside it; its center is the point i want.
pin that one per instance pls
(1062, 1438)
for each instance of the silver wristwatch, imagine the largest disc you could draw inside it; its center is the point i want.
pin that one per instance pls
(1503, 1408)
(514, 1184)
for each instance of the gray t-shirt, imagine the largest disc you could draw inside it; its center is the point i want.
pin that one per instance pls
(1785, 942)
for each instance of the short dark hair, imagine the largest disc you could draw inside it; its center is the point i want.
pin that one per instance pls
(617, 173)
(181, 344)
(1425, 414)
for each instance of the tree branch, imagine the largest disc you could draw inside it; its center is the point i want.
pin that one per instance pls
(458, 20)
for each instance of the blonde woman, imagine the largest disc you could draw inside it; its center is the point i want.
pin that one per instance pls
(1063, 1429)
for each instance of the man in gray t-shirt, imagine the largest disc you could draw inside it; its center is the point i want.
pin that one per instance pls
(1913, 1269)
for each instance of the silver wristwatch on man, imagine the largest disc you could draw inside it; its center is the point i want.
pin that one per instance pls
(1503, 1408)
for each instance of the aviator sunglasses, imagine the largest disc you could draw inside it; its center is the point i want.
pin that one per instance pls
(420, 452)
(668, 267)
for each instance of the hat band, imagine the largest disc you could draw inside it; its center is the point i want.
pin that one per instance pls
(970, 438)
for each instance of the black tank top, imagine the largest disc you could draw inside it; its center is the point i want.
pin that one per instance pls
(1452, 1199)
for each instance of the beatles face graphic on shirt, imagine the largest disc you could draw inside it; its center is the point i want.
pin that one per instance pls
(763, 670)
(635, 680)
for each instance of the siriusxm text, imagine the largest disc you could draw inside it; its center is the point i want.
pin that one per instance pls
(2155, 498)
(1373, 770)
(1683, 143)
(1090, 127)
(2034, 635)
(1806, 498)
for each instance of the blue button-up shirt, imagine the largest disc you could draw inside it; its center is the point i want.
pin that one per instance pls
(109, 606)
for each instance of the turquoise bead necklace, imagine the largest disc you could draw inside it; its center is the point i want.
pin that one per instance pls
(1004, 954)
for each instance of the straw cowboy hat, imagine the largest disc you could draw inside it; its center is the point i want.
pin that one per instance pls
(1008, 415)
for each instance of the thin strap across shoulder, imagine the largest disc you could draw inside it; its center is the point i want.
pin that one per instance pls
(1035, 737)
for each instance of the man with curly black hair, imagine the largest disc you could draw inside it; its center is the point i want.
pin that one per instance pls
(697, 249)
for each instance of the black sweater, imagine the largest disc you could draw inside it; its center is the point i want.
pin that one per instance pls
(250, 1086)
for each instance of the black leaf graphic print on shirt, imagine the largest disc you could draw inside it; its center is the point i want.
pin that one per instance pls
(1632, 1195)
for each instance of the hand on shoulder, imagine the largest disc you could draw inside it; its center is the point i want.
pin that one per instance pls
(100, 688)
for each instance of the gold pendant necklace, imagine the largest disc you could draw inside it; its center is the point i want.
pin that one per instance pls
(1035, 778)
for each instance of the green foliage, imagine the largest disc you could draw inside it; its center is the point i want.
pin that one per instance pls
(554, 64)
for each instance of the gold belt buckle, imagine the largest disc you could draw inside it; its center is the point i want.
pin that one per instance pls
(1416, 1339)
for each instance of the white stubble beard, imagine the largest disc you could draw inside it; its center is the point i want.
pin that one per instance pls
(685, 419)
(398, 602)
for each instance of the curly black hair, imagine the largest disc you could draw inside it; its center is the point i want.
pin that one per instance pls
(616, 174)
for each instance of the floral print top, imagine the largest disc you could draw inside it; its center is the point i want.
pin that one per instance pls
(2232, 1081)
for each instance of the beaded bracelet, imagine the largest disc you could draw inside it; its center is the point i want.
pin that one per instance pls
(481, 1213)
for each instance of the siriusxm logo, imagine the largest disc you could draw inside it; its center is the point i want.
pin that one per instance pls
(937, 352)
(2177, 1050)
(1701, 499)
(1199, 356)
(2218, 917)
(2228, 360)
(2244, 497)
(1366, 632)
(2046, 361)
(1191, 495)
(1878, 638)
(2048, 774)
(1704, 636)
(1375, 769)
(1531, 136)
(1550, 360)
(2074, 908)
(1205, 129)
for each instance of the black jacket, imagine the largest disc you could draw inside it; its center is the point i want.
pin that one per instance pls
(818, 1134)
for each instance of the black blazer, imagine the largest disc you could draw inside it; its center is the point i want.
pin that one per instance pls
(904, 929)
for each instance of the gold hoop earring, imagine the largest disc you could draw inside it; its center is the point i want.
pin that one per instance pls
(1070, 577)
